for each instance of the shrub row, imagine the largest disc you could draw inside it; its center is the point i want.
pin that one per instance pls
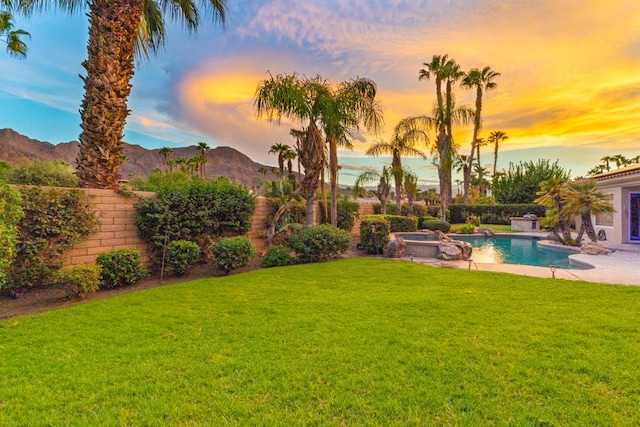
(493, 214)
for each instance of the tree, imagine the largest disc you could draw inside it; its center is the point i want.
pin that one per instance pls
(119, 30)
(348, 105)
(300, 99)
(279, 150)
(521, 181)
(166, 152)
(444, 116)
(289, 155)
(411, 188)
(481, 80)
(203, 147)
(553, 195)
(383, 189)
(12, 38)
(496, 137)
(403, 142)
(584, 199)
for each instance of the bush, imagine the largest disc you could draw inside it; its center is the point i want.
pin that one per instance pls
(319, 243)
(231, 253)
(181, 256)
(402, 223)
(494, 214)
(51, 174)
(437, 225)
(120, 268)
(10, 215)
(347, 214)
(79, 280)
(54, 221)
(195, 211)
(473, 220)
(418, 210)
(374, 233)
(467, 228)
(278, 256)
(422, 220)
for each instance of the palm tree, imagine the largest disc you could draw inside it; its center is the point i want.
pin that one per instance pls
(166, 152)
(403, 143)
(203, 147)
(279, 150)
(584, 199)
(348, 104)
(445, 115)
(482, 81)
(289, 155)
(411, 188)
(12, 38)
(300, 99)
(553, 195)
(496, 137)
(383, 188)
(119, 30)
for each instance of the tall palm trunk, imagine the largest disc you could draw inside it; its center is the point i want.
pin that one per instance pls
(443, 173)
(495, 159)
(396, 169)
(333, 179)
(474, 142)
(312, 159)
(110, 68)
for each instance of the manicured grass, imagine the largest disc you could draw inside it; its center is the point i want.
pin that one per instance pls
(496, 228)
(351, 342)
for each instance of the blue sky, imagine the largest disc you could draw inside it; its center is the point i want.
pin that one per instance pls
(569, 87)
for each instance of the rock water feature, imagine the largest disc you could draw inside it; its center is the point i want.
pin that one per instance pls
(427, 244)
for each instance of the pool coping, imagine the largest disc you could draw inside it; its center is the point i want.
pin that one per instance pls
(619, 267)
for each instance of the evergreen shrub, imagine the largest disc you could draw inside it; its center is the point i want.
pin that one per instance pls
(231, 253)
(182, 255)
(120, 268)
(437, 225)
(79, 280)
(278, 256)
(348, 212)
(319, 243)
(10, 215)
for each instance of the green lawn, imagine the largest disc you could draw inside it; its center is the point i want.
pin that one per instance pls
(351, 342)
(496, 228)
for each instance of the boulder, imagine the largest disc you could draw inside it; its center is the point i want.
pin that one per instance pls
(454, 251)
(396, 248)
(551, 237)
(486, 231)
(593, 249)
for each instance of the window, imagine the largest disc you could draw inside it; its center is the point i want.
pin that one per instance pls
(606, 218)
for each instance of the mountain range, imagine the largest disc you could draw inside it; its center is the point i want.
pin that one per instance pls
(16, 149)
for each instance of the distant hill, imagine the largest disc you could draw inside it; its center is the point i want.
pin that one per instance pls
(223, 161)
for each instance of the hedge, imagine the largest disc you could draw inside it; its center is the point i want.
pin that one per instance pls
(493, 214)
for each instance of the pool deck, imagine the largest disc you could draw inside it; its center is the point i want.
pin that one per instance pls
(619, 267)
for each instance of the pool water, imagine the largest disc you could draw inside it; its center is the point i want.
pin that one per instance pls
(517, 250)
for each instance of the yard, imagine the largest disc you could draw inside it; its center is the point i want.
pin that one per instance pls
(351, 342)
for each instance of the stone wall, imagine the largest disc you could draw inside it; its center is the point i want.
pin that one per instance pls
(118, 230)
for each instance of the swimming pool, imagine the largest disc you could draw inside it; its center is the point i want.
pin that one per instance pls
(517, 250)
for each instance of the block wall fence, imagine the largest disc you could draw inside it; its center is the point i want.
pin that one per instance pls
(117, 229)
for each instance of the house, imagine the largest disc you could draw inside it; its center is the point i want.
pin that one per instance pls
(622, 187)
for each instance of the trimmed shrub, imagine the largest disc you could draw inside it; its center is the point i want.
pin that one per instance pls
(319, 243)
(418, 210)
(402, 223)
(437, 225)
(494, 214)
(347, 214)
(195, 211)
(422, 219)
(79, 280)
(10, 215)
(181, 256)
(54, 221)
(231, 253)
(120, 268)
(467, 228)
(374, 233)
(278, 256)
(473, 220)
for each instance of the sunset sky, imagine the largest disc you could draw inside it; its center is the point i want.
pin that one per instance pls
(569, 87)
